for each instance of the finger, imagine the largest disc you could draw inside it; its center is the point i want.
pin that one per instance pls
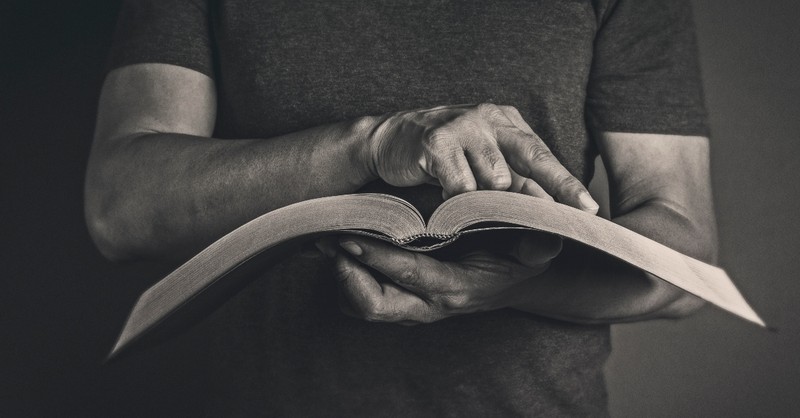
(433, 181)
(416, 272)
(531, 188)
(513, 116)
(347, 309)
(445, 160)
(527, 186)
(441, 108)
(537, 249)
(477, 139)
(529, 156)
(327, 246)
(373, 301)
(357, 285)
(488, 164)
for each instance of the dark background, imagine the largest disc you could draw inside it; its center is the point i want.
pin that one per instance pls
(61, 304)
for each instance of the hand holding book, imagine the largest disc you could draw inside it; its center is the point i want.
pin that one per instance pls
(380, 282)
(418, 288)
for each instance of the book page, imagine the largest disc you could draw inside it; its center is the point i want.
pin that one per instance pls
(694, 276)
(380, 213)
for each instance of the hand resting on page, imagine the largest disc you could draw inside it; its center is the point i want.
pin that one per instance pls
(470, 147)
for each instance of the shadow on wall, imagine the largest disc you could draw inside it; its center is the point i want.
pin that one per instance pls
(713, 364)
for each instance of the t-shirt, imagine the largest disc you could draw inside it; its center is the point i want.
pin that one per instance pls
(281, 347)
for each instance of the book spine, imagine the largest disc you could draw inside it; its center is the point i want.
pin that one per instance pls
(442, 237)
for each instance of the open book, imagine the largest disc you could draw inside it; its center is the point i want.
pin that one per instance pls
(397, 221)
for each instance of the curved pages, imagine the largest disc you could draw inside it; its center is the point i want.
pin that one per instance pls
(394, 220)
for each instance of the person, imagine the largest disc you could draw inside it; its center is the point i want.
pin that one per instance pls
(215, 112)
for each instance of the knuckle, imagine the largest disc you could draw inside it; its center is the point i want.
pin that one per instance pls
(566, 183)
(488, 109)
(475, 127)
(372, 310)
(438, 137)
(409, 274)
(538, 154)
(455, 303)
(470, 129)
(494, 157)
(343, 272)
(499, 176)
(510, 109)
(511, 113)
(500, 181)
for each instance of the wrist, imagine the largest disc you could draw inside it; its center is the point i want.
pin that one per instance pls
(371, 134)
(362, 146)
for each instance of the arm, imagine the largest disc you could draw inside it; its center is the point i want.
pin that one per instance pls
(158, 185)
(660, 187)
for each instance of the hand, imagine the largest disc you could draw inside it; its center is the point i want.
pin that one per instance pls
(383, 283)
(469, 147)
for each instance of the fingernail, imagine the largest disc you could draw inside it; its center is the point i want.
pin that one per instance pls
(351, 247)
(588, 203)
(325, 249)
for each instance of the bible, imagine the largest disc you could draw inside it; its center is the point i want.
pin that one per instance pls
(395, 220)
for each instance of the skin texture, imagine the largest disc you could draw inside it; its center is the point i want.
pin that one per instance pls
(660, 188)
(466, 147)
(159, 186)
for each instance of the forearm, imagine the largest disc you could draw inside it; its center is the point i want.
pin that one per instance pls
(588, 287)
(166, 195)
(158, 186)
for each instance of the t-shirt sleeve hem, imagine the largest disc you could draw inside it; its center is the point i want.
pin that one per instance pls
(121, 57)
(172, 32)
(674, 120)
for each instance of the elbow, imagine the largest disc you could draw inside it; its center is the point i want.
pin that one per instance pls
(670, 302)
(656, 299)
(109, 222)
(701, 245)
(105, 229)
(105, 237)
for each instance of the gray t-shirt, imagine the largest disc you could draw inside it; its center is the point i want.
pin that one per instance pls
(572, 68)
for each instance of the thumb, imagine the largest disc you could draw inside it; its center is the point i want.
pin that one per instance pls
(537, 248)
(411, 270)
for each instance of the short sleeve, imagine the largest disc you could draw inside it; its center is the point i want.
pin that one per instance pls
(173, 32)
(645, 75)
